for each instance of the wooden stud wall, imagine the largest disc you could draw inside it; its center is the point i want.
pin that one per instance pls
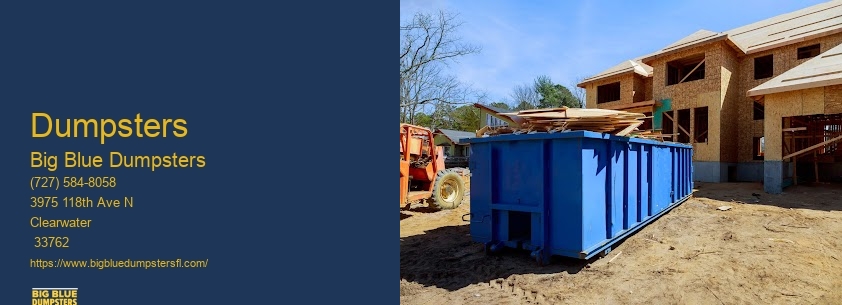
(787, 104)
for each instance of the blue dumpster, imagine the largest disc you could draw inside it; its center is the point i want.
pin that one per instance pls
(571, 194)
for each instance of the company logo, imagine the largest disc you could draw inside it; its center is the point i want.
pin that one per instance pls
(54, 296)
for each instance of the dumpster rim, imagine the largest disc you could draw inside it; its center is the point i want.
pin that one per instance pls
(571, 134)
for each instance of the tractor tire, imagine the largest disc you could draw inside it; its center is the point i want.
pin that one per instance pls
(449, 190)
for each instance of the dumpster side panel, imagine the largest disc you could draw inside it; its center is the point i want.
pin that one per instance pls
(630, 189)
(481, 173)
(662, 171)
(645, 183)
(616, 184)
(518, 177)
(595, 173)
(565, 195)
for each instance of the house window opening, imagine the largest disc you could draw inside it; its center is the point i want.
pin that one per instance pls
(608, 93)
(647, 122)
(686, 69)
(763, 67)
(809, 51)
(758, 111)
(683, 125)
(700, 130)
(758, 146)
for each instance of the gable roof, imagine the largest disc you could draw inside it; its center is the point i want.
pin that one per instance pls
(455, 135)
(493, 109)
(819, 71)
(811, 22)
(698, 37)
(622, 68)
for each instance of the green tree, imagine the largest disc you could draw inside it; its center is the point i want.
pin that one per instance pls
(554, 95)
(423, 119)
(465, 118)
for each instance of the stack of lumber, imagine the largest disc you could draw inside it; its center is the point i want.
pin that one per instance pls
(551, 120)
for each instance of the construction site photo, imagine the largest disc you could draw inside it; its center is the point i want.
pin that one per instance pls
(707, 171)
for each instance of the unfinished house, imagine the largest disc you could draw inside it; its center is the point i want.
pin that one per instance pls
(758, 103)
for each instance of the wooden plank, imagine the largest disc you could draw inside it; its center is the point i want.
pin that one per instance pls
(629, 129)
(794, 129)
(542, 110)
(682, 128)
(808, 149)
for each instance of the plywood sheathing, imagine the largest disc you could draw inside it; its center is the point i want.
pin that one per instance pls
(647, 88)
(699, 93)
(626, 89)
(833, 99)
(639, 89)
(730, 96)
(819, 71)
(787, 104)
(784, 58)
(804, 24)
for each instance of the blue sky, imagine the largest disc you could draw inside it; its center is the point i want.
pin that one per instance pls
(568, 39)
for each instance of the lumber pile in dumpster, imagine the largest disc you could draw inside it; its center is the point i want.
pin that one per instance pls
(551, 120)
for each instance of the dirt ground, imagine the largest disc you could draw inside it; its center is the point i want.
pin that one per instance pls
(767, 249)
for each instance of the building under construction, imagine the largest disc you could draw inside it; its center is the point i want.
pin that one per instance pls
(762, 102)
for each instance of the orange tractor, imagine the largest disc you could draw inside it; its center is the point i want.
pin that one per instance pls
(423, 175)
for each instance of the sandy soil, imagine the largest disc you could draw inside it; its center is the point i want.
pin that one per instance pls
(767, 249)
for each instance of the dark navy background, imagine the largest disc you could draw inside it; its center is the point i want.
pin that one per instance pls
(287, 102)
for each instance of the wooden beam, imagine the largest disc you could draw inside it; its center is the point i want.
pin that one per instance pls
(629, 129)
(794, 129)
(684, 130)
(676, 124)
(808, 149)
(691, 71)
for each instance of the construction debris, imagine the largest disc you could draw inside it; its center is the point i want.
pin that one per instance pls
(552, 120)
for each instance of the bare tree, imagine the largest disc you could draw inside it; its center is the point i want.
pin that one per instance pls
(525, 95)
(429, 42)
(579, 92)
